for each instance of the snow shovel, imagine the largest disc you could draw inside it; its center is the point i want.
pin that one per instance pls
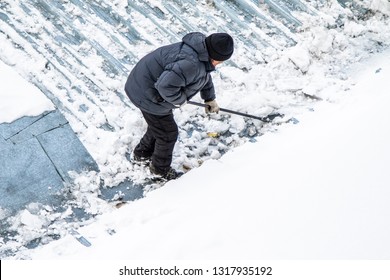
(267, 118)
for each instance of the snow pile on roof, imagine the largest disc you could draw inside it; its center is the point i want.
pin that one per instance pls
(18, 97)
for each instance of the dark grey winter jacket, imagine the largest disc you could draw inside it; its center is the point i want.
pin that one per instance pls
(169, 76)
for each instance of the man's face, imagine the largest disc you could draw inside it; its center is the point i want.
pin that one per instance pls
(215, 62)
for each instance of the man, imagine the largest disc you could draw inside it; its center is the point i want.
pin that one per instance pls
(166, 79)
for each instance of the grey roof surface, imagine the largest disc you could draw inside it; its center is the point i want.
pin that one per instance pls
(36, 154)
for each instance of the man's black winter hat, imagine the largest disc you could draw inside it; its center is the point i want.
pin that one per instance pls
(220, 46)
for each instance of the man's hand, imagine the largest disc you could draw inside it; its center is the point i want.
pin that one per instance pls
(212, 107)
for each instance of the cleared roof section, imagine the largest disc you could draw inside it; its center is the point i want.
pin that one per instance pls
(38, 149)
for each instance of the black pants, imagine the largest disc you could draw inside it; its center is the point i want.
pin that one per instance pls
(158, 141)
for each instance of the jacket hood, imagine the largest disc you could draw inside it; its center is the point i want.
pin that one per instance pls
(196, 40)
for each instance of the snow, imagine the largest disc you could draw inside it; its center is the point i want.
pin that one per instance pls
(380, 5)
(19, 97)
(315, 190)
